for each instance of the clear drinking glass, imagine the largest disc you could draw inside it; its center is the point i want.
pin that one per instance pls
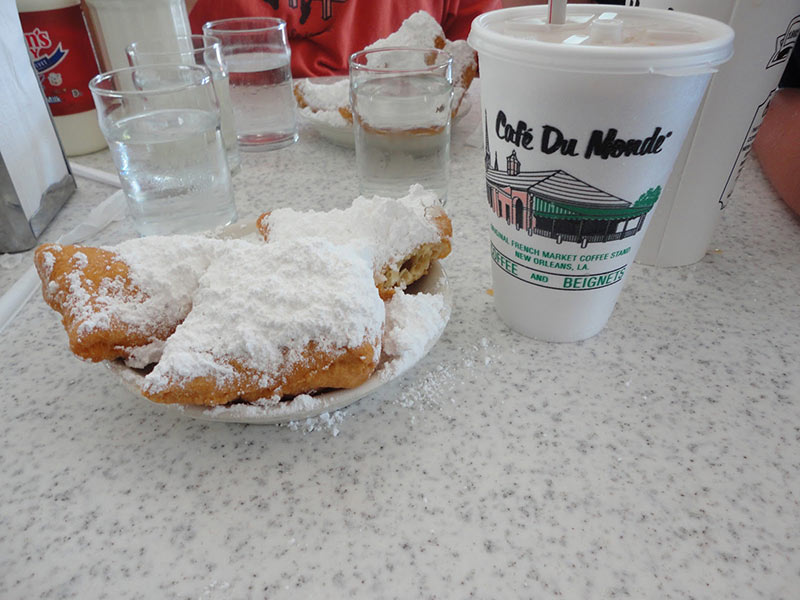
(401, 113)
(113, 24)
(203, 50)
(256, 52)
(162, 125)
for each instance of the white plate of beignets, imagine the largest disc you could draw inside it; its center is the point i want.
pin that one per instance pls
(294, 315)
(324, 102)
(415, 320)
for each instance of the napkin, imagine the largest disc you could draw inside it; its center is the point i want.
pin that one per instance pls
(28, 141)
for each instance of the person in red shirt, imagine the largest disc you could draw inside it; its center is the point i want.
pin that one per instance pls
(324, 33)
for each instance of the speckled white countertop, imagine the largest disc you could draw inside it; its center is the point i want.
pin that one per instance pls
(659, 459)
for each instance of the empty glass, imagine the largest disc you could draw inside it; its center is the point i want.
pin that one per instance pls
(256, 52)
(203, 50)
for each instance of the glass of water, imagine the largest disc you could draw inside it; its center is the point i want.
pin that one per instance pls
(162, 125)
(256, 52)
(401, 100)
(113, 24)
(203, 50)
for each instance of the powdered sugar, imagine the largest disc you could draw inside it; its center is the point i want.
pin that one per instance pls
(420, 30)
(387, 229)
(167, 270)
(141, 356)
(417, 31)
(430, 389)
(79, 260)
(164, 272)
(79, 304)
(261, 305)
(49, 261)
(412, 322)
(325, 96)
(328, 421)
(464, 59)
(436, 388)
(330, 118)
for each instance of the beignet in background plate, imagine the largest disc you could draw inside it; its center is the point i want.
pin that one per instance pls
(421, 30)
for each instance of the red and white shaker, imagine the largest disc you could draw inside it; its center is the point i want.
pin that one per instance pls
(57, 39)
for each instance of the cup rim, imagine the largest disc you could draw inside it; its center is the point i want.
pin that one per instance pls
(403, 49)
(690, 58)
(224, 25)
(209, 41)
(205, 78)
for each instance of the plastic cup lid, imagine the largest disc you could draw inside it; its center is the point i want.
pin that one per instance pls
(605, 39)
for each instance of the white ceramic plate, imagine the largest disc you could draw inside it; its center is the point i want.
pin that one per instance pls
(304, 407)
(343, 135)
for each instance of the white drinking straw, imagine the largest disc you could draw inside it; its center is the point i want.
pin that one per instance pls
(95, 174)
(557, 12)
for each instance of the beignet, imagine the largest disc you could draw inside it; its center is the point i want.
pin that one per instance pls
(402, 236)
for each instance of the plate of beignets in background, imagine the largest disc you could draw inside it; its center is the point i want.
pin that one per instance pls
(298, 314)
(324, 102)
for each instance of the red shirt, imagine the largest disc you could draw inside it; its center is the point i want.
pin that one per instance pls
(324, 33)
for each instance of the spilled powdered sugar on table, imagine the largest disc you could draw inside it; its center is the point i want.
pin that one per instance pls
(432, 390)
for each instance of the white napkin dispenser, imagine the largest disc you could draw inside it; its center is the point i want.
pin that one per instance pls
(35, 180)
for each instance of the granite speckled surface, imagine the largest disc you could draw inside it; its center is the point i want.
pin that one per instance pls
(658, 459)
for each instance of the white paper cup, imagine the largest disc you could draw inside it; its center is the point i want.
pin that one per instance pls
(720, 140)
(581, 133)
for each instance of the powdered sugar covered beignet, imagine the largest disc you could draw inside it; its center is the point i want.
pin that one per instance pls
(327, 103)
(117, 300)
(421, 30)
(273, 320)
(401, 235)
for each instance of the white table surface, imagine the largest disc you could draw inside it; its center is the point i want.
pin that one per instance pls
(659, 459)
